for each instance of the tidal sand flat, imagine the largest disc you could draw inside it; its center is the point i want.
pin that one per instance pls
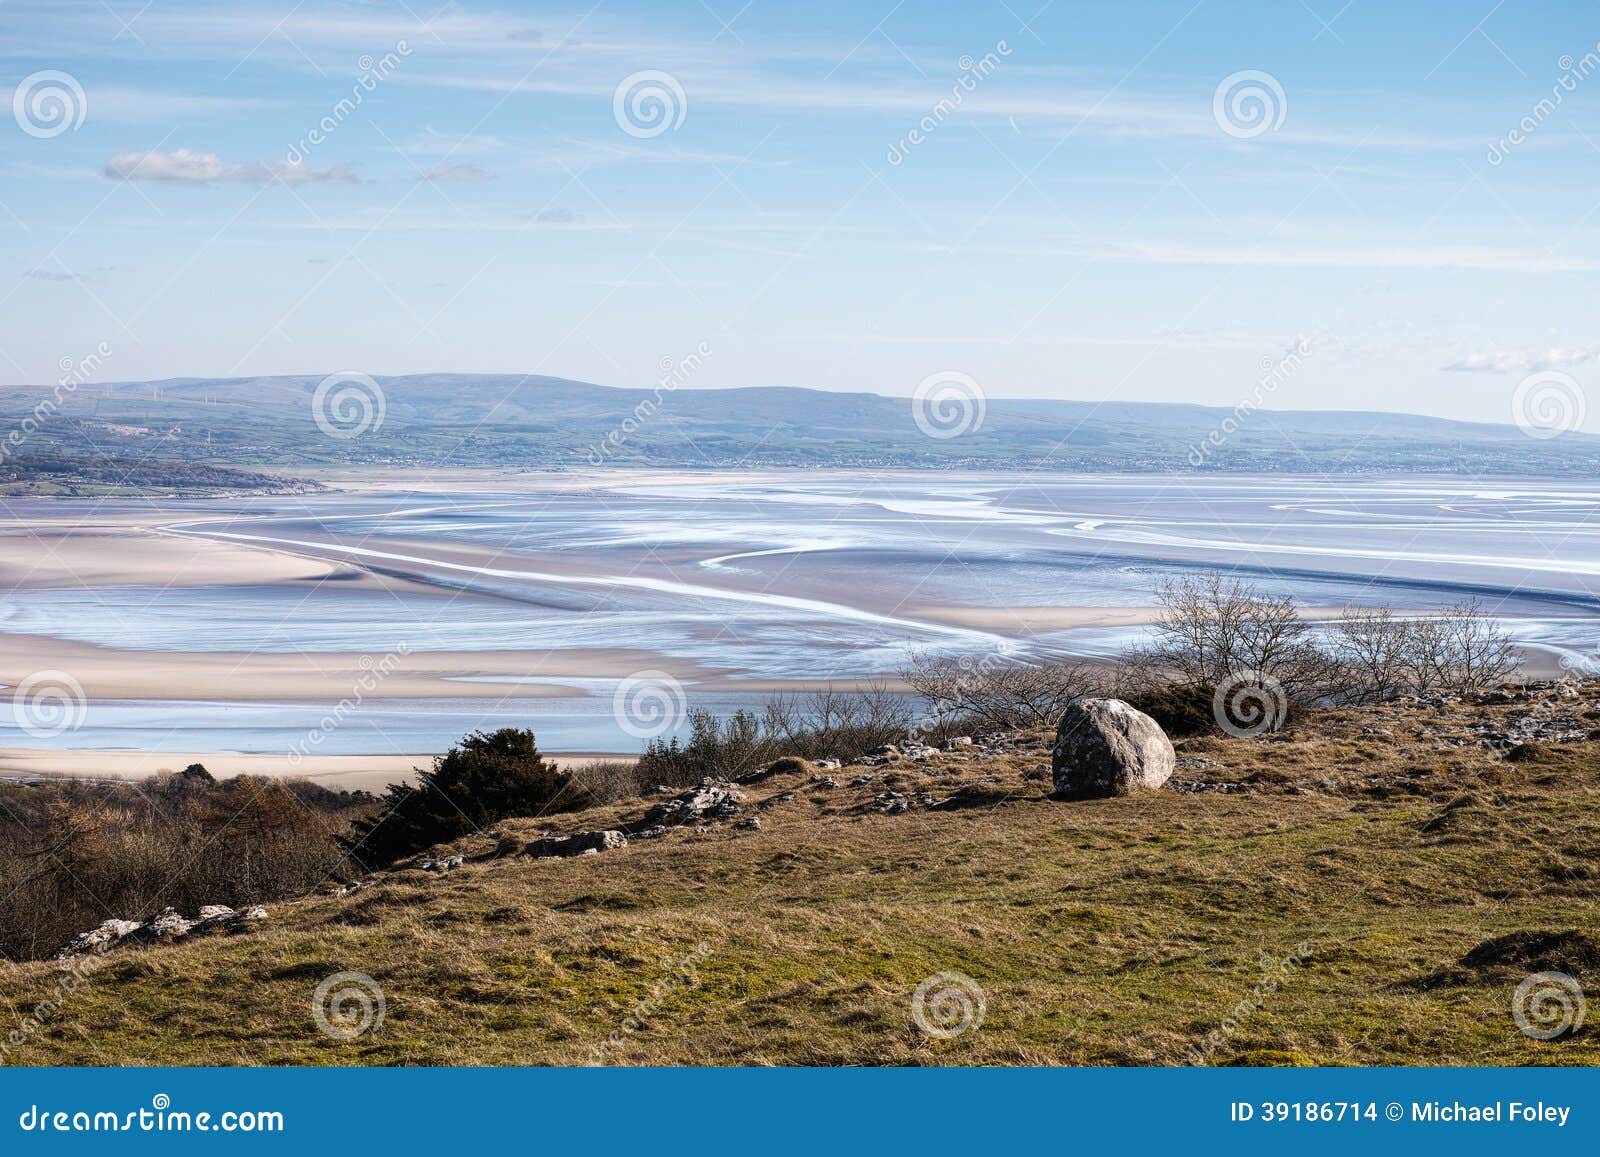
(236, 625)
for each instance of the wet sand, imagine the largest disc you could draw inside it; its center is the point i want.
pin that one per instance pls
(339, 772)
(291, 676)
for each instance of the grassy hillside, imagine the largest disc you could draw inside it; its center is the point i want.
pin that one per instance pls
(1323, 892)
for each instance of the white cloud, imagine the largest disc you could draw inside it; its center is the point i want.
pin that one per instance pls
(1519, 361)
(187, 167)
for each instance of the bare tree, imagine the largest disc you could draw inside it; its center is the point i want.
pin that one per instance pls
(1481, 653)
(1215, 630)
(1000, 692)
(1371, 647)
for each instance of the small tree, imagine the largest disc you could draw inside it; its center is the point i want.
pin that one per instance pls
(1480, 654)
(1214, 631)
(998, 692)
(487, 777)
(1371, 648)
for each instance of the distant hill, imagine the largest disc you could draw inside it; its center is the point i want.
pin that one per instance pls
(535, 421)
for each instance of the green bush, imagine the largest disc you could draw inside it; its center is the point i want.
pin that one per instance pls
(486, 778)
(1183, 710)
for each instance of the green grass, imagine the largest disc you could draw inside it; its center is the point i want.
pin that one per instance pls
(1110, 932)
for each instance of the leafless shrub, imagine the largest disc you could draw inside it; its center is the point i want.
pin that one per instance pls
(1373, 649)
(834, 723)
(1461, 650)
(997, 693)
(1215, 630)
(75, 854)
(608, 780)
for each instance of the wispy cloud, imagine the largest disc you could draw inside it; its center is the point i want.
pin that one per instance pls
(1519, 361)
(555, 217)
(454, 171)
(187, 167)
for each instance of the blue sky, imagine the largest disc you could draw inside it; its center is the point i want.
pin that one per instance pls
(1085, 222)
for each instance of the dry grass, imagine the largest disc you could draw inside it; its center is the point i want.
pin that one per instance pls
(1113, 932)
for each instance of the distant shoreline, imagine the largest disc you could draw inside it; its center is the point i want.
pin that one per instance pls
(346, 772)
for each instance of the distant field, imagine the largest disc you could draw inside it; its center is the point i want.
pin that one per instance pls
(530, 420)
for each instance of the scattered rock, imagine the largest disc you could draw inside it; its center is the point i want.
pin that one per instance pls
(1105, 747)
(577, 844)
(714, 799)
(824, 781)
(98, 939)
(167, 926)
(752, 823)
(897, 802)
(441, 863)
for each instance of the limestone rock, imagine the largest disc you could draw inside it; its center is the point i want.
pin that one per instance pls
(1105, 747)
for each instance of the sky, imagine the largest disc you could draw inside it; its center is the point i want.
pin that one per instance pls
(1101, 201)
